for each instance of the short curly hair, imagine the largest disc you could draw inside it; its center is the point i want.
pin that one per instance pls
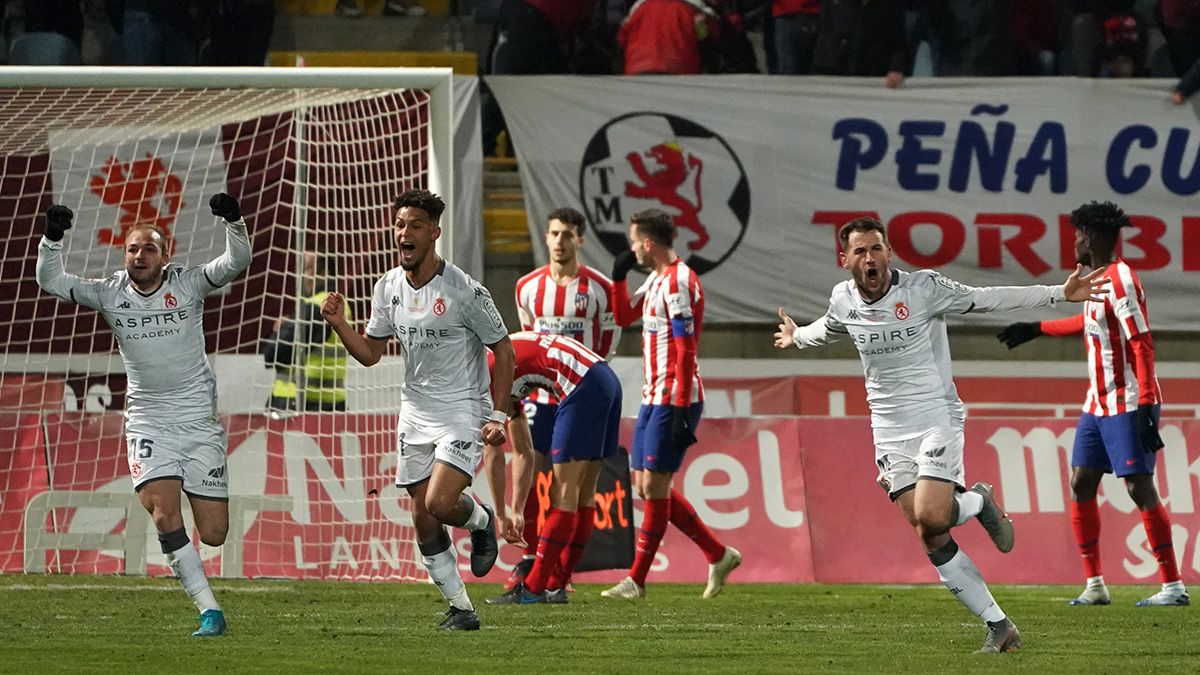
(1100, 219)
(422, 199)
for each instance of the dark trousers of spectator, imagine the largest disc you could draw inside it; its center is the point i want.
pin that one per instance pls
(795, 36)
(1183, 47)
(241, 33)
(523, 43)
(147, 40)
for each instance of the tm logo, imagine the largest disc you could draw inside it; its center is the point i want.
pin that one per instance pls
(145, 191)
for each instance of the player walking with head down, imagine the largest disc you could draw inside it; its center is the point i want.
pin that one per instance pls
(562, 297)
(897, 321)
(176, 443)
(671, 306)
(443, 318)
(1118, 430)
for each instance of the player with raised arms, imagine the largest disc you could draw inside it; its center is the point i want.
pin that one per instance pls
(175, 441)
(562, 297)
(585, 432)
(443, 319)
(1118, 429)
(897, 321)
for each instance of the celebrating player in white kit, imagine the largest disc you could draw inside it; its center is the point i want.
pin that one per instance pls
(175, 442)
(897, 321)
(443, 318)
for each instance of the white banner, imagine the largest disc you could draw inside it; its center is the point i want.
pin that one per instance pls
(136, 176)
(975, 178)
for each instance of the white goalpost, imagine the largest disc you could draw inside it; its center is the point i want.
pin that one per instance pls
(315, 157)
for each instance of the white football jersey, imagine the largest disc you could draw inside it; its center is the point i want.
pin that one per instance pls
(443, 327)
(901, 339)
(160, 335)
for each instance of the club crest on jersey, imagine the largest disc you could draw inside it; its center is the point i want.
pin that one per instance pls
(581, 302)
(439, 307)
(169, 301)
(901, 311)
(135, 469)
(645, 160)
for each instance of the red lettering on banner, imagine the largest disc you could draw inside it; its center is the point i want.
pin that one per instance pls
(837, 219)
(953, 236)
(1148, 232)
(610, 509)
(1066, 242)
(1029, 230)
(1191, 244)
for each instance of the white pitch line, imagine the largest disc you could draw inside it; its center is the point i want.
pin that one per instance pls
(141, 587)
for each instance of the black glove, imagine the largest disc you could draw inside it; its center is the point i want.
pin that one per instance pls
(681, 428)
(225, 206)
(624, 262)
(1147, 428)
(58, 221)
(1015, 334)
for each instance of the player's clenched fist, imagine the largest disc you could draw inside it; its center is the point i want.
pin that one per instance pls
(492, 433)
(225, 206)
(333, 309)
(58, 221)
(787, 329)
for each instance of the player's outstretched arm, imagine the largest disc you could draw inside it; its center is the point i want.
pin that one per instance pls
(787, 328)
(366, 351)
(236, 257)
(51, 276)
(1017, 334)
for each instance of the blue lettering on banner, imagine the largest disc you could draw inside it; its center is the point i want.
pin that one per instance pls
(864, 145)
(1125, 178)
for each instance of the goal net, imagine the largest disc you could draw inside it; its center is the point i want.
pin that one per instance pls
(315, 158)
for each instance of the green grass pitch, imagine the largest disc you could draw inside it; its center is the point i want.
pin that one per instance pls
(120, 624)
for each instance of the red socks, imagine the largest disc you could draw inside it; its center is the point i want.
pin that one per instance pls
(556, 536)
(683, 516)
(585, 521)
(1085, 517)
(654, 524)
(1158, 532)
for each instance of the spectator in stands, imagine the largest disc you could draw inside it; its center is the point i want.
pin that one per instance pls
(863, 38)
(1087, 33)
(156, 33)
(352, 9)
(1188, 85)
(531, 37)
(972, 38)
(1035, 31)
(240, 33)
(1180, 23)
(685, 37)
(795, 24)
(53, 34)
(1124, 53)
(313, 378)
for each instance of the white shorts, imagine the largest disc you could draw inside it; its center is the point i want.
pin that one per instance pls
(936, 454)
(452, 438)
(192, 452)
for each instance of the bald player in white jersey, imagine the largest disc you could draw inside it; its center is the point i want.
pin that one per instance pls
(443, 319)
(175, 442)
(897, 321)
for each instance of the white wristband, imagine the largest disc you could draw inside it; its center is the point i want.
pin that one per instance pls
(498, 416)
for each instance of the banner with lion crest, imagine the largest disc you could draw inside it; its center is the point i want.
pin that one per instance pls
(131, 179)
(975, 178)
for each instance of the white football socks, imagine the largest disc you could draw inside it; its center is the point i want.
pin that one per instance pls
(963, 579)
(186, 563)
(478, 519)
(969, 506)
(443, 570)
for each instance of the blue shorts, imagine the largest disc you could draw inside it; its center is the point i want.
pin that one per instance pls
(541, 424)
(1111, 444)
(588, 420)
(653, 447)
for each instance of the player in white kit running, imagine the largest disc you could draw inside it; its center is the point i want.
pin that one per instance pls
(175, 442)
(897, 321)
(443, 319)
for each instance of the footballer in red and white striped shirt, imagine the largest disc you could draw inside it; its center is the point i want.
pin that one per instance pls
(1118, 429)
(671, 306)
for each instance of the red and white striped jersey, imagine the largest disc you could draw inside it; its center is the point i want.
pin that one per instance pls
(581, 310)
(550, 363)
(1108, 329)
(672, 306)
